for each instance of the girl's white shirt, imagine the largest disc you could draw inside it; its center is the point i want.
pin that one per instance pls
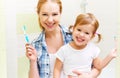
(52, 63)
(80, 60)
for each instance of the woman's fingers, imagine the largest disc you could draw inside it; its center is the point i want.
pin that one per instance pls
(28, 54)
(30, 50)
(29, 47)
(77, 72)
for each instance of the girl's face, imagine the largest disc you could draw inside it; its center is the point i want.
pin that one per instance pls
(82, 34)
(49, 16)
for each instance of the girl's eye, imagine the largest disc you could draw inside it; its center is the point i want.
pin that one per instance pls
(79, 29)
(86, 33)
(54, 14)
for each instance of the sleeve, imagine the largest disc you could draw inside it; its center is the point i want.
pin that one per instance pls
(60, 54)
(96, 52)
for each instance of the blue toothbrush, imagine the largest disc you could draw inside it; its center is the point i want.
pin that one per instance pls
(26, 36)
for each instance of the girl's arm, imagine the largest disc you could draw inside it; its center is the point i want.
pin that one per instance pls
(103, 63)
(95, 72)
(96, 69)
(97, 63)
(57, 68)
(109, 57)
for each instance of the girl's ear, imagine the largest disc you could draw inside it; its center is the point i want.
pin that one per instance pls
(93, 36)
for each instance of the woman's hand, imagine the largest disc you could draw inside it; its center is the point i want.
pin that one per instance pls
(31, 52)
(82, 75)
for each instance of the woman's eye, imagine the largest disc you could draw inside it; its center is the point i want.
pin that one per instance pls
(44, 14)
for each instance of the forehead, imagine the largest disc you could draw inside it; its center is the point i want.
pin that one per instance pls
(87, 27)
(50, 6)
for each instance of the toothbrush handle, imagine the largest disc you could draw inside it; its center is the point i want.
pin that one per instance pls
(27, 38)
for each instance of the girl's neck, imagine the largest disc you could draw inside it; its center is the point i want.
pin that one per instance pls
(77, 47)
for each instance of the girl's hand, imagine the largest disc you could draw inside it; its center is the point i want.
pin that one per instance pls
(113, 53)
(31, 52)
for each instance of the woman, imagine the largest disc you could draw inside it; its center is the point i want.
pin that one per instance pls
(53, 36)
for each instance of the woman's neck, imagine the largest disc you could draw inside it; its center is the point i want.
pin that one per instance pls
(54, 40)
(50, 34)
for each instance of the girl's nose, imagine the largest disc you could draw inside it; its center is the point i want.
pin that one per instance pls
(81, 34)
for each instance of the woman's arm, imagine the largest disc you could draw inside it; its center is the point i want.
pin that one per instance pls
(57, 68)
(32, 56)
(33, 72)
(93, 74)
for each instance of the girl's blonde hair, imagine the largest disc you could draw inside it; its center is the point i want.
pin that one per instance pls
(88, 18)
(40, 4)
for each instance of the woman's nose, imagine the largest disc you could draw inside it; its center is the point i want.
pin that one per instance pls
(50, 19)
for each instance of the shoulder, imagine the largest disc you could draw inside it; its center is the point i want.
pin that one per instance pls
(64, 48)
(66, 34)
(38, 40)
(65, 28)
(39, 37)
(93, 46)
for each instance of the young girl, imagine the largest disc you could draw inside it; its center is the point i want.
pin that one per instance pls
(80, 54)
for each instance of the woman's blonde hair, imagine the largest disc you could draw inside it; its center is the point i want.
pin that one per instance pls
(40, 4)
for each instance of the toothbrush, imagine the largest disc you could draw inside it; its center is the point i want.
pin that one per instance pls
(26, 36)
